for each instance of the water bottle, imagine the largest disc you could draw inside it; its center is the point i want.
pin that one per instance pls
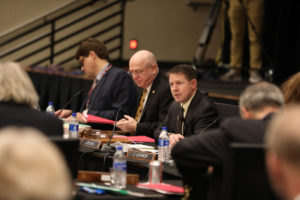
(163, 145)
(73, 126)
(119, 168)
(50, 109)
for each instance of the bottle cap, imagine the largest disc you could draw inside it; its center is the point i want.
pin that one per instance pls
(50, 103)
(119, 148)
(164, 128)
(73, 114)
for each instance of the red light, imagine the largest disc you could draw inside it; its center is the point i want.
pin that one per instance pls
(133, 44)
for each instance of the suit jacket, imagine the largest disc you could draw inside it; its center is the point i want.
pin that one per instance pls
(194, 154)
(156, 107)
(114, 92)
(201, 115)
(12, 114)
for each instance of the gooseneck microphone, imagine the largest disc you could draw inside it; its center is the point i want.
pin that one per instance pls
(210, 124)
(106, 148)
(70, 100)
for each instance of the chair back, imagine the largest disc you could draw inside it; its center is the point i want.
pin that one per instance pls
(227, 110)
(245, 175)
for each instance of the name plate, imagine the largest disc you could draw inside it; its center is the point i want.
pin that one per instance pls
(140, 155)
(94, 144)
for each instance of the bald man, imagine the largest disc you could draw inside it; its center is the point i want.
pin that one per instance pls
(282, 157)
(154, 95)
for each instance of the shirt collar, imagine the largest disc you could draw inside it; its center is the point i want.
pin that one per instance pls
(99, 75)
(187, 104)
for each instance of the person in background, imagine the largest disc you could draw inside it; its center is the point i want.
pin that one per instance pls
(237, 14)
(154, 95)
(31, 167)
(18, 99)
(192, 112)
(112, 90)
(282, 155)
(258, 102)
(291, 89)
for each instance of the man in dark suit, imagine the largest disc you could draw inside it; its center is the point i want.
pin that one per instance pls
(192, 112)
(18, 99)
(153, 92)
(197, 153)
(112, 89)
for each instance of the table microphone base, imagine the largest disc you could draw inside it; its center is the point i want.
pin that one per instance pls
(107, 148)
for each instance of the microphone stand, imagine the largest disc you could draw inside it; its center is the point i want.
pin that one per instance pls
(106, 148)
(70, 100)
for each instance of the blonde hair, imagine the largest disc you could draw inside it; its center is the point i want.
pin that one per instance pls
(16, 86)
(31, 167)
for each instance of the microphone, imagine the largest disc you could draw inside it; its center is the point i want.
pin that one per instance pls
(209, 125)
(70, 100)
(106, 148)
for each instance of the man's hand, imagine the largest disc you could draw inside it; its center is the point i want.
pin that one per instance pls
(63, 113)
(174, 138)
(127, 124)
(81, 118)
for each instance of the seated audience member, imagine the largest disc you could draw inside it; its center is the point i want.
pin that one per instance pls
(112, 89)
(192, 112)
(31, 167)
(257, 104)
(154, 95)
(291, 89)
(282, 157)
(17, 100)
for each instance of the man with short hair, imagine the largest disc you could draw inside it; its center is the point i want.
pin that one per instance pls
(282, 157)
(257, 104)
(191, 112)
(154, 95)
(112, 89)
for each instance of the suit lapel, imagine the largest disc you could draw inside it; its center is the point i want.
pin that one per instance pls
(152, 93)
(190, 112)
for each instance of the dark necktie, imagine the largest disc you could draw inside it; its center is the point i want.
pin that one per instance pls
(180, 121)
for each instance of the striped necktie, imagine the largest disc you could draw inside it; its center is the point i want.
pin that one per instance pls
(141, 106)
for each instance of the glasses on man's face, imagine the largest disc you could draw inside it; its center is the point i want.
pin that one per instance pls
(136, 72)
(81, 60)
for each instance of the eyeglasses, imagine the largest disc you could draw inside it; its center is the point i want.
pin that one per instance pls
(81, 61)
(136, 72)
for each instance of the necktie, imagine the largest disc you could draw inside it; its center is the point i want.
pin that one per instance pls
(90, 92)
(180, 121)
(141, 106)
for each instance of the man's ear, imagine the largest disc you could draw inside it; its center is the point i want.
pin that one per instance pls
(194, 83)
(92, 54)
(245, 113)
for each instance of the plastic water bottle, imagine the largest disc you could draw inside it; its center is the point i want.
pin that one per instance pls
(73, 126)
(163, 145)
(50, 108)
(119, 168)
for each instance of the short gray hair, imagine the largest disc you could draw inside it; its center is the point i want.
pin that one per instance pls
(16, 85)
(259, 95)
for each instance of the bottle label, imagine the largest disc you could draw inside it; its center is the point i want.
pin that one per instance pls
(166, 142)
(73, 127)
(160, 142)
(120, 166)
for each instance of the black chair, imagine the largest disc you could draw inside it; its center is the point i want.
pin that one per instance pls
(227, 110)
(69, 150)
(245, 174)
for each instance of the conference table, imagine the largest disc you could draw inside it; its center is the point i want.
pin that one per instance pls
(93, 159)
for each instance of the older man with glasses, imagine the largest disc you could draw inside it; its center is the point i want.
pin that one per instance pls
(154, 95)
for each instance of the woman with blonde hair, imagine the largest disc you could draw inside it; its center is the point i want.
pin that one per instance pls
(18, 99)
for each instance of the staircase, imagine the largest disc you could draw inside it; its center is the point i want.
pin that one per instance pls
(54, 37)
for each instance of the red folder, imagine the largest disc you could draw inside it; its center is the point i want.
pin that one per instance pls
(162, 187)
(99, 120)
